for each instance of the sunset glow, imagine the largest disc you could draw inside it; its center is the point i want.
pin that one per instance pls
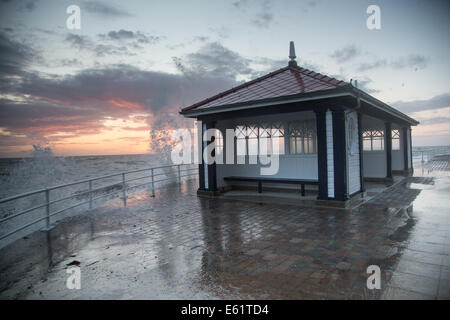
(104, 88)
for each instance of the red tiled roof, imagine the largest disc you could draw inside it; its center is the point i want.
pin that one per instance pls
(287, 81)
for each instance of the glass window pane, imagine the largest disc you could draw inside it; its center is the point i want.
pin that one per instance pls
(366, 145)
(252, 146)
(278, 145)
(241, 147)
(298, 142)
(292, 145)
(395, 144)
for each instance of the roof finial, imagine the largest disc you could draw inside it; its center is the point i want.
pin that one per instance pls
(292, 56)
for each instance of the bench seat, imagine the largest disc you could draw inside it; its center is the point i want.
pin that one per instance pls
(261, 180)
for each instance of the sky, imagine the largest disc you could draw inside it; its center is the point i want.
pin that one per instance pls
(107, 87)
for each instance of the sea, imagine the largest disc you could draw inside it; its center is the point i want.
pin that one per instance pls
(18, 175)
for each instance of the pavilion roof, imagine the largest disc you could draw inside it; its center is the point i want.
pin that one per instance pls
(290, 80)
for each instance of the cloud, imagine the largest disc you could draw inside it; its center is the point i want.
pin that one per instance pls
(345, 54)
(372, 65)
(14, 56)
(240, 3)
(126, 35)
(79, 104)
(437, 102)
(365, 85)
(216, 61)
(411, 61)
(438, 120)
(265, 17)
(121, 42)
(104, 9)
(99, 49)
(51, 107)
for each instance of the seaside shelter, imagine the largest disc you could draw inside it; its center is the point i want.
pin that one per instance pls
(331, 135)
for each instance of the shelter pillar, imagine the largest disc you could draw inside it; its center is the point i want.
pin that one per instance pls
(207, 172)
(339, 154)
(361, 150)
(322, 167)
(410, 151)
(405, 148)
(388, 148)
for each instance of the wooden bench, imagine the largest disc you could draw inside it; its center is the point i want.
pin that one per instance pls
(260, 180)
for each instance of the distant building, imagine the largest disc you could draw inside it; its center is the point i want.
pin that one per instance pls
(323, 126)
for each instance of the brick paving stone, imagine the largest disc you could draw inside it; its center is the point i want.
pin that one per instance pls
(183, 246)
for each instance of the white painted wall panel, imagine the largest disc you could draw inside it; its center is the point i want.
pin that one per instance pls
(397, 159)
(374, 164)
(330, 154)
(352, 141)
(290, 166)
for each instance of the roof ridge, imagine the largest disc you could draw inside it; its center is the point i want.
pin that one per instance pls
(245, 84)
(322, 76)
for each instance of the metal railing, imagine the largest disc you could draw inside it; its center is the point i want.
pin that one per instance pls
(427, 155)
(153, 175)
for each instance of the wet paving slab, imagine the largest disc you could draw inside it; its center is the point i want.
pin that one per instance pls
(180, 246)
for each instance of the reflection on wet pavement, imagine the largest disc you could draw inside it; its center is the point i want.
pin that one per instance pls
(178, 246)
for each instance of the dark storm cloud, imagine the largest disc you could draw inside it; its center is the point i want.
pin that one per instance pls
(124, 35)
(79, 42)
(413, 61)
(78, 103)
(214, 60)
(437, 102)
(120, 42)
(14, 56)
(345, 54)
(99, 49)
(104, 9)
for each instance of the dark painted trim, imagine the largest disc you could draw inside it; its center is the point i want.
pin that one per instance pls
(276, 109)
(405, 148)
(211, 171)
(361, 151)
(340, 158)
(201, 177)
(388, 148)
(201, 169)
(322, 164)
(212, 182)
(351, 92)
(410, 150)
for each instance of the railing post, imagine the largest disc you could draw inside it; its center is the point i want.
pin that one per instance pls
(123, 190)
(153, 184)
(90, 194)
(179, 174)
(47, 208)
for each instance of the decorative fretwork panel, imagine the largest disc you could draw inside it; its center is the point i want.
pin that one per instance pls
(302, 137)
(373, 140)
